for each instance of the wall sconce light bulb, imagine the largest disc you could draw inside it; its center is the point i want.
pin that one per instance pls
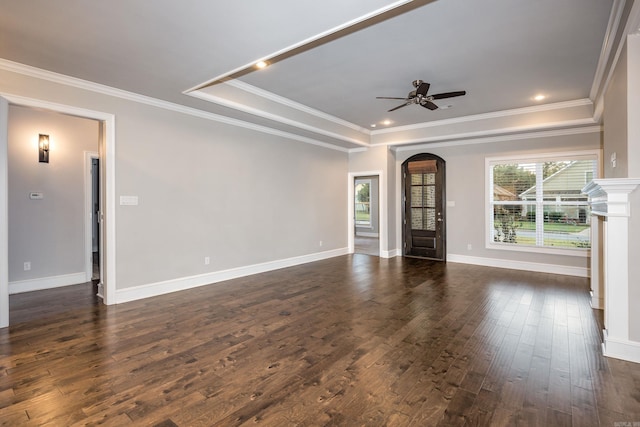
(43, 148)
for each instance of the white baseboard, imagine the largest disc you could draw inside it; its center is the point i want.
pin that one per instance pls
(366, 234)
(100, 291)
(184, 283)
(46, 283)
(390, 254)
(596, 303)
(621, 349)
(520, 265)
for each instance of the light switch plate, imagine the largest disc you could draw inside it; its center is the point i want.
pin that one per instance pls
(128, 200)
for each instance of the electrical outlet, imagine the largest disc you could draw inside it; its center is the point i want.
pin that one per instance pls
(207, 260)
(469, 246)
(27, 266)
(320, 242)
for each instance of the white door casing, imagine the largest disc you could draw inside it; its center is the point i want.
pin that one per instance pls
(108, 251)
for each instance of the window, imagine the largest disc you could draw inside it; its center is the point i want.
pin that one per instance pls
(536, 203)
(362, 203)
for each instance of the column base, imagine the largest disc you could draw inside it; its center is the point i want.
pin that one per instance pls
(621, 349)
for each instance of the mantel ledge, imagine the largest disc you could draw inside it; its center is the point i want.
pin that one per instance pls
(610, 197)
(609, 186)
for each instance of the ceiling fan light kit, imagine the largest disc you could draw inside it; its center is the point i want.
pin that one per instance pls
(419, 96)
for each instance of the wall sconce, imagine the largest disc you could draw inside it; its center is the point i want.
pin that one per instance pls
(43, 148)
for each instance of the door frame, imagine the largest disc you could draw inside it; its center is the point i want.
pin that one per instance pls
(107, 287)
(405, 221)
(89, 156)
(382, 210)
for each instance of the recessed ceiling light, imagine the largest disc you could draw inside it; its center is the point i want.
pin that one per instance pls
(373, 125)
(539, 97)
(386, 122)
(261, 64)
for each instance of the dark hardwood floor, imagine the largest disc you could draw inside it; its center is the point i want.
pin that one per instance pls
(366, 245)
(354, 340)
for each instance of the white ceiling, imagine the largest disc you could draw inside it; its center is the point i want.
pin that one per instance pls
(328, 58)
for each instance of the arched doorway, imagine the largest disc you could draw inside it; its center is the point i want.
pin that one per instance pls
(424, 224)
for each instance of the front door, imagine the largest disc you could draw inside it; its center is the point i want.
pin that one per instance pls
(424, 229)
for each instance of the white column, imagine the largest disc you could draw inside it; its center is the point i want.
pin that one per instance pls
(609, 198)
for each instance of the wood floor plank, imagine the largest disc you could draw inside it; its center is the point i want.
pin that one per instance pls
(353, 340)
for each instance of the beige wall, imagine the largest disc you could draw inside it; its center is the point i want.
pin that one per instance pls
(380, 159)
(634, 267)
(48, 233)
(207, 189)
(633, 105)
(633, 171)
(465, 181)
(616, 123)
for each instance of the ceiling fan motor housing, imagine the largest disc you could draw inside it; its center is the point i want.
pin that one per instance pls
(419, 96)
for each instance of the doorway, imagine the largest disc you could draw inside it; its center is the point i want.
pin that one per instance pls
(424, 231)
(107, 285)
(92, 216)
(366, 210)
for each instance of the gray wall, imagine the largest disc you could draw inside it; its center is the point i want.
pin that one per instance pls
(633, 171)
(465, 181)
(49, 233)
(616, 122)
(393, 215)
(207, 189)
(380, 159)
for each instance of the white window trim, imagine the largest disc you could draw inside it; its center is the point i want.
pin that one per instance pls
(532, 158)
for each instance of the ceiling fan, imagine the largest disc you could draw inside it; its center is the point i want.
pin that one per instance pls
(419, 96)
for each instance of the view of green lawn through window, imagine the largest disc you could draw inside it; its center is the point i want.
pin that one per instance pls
(362, 202)
(540, 203)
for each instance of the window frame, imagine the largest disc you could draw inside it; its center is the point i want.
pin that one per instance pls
(532, 158)
(363, 181)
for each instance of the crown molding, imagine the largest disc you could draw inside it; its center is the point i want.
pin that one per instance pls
(277, 118)
(498, 138)
(295, 105)
(358, 150)
(493, 135)
(484, 116)
(308, 43)
(51, 76)
(633, 23)
(615, 17)
(631, 27)
(54, 77)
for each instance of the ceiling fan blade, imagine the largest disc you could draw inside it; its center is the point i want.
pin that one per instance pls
(448, 94)
(422, 89)
(430, 105)
(390, 97)
(400, 106)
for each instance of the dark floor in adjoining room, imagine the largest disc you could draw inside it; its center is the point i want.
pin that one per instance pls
(367, 245)
(353, 340)
(40, 306)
